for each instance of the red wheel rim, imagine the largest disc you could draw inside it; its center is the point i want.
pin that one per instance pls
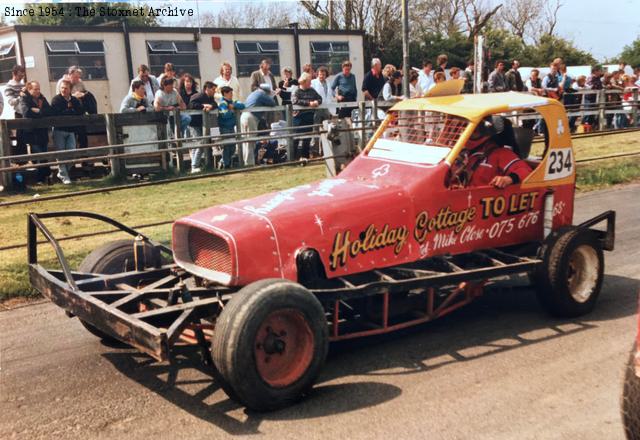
(284, 347)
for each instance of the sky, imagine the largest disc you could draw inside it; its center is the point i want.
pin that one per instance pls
(594, 25)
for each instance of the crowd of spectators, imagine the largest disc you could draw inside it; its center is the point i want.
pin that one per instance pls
(313, 88)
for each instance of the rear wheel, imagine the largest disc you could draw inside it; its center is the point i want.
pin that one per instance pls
(110, 258)
(270, 343)
(569, 280)
(631, 399)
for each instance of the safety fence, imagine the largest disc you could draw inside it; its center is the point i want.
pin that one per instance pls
(143, 143)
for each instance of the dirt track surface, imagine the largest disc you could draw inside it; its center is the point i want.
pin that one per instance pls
(498, 369)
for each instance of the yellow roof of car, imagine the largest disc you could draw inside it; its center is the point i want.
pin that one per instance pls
(475, 107)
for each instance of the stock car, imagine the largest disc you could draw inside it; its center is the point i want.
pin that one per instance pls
(262, 286)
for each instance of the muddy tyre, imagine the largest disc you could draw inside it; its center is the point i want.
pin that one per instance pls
(631, 399)
(109, 259)
(569, 280)
(270, 343)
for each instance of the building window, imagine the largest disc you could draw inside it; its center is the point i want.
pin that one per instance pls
(7, 61)
(182, 54)
(250, 53)
(330, 54)
(88, 55)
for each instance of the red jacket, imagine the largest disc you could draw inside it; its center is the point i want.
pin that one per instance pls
(492, 160)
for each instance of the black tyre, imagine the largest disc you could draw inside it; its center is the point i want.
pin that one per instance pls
(631, 399)
(569, 280)
(110, 258)
(270, 343)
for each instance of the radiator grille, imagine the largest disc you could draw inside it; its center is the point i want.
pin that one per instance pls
(209, 251)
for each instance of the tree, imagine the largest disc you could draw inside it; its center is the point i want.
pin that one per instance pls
(521, 19)
(70, 16)
(631, 54)
(550, 47)
(477, 15)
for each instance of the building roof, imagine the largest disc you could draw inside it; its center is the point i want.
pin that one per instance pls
(167, 29)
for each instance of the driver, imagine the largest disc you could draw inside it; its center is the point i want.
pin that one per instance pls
(485, 162)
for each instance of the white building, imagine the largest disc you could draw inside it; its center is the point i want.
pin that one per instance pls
(110, 55)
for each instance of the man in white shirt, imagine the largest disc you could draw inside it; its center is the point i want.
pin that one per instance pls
(425, 80)
(322, 86)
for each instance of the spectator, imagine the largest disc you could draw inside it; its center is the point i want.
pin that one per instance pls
(392, 90)
(305, 96)
(64, 138)
(373, 81)
(415, 91)
(14, 87)
(438, 78)
(169, 73)
(612, 84)
(136, 101)
(252, 121)
(344, 87)
(442, 61)
(206, 102)
(551, 84)
(321, 85)
(454, 73)
(569, 98)
(286, 85)
(226, 79)
(12, 92)
(308, 68)
(637, 75)
(33, 105)
(513, 78)
(263, 76)
(88, 101)
(594, 82)
(534, 83)
(167, 98)
(497, 80)
(151, 84)
(627, 98)
(469, 77)
(425, 78)
(227, 122)
(188, 87)
(388, 70)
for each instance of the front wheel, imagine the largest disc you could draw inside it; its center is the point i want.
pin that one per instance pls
(111, 258)
(569, 280)
(270, 343)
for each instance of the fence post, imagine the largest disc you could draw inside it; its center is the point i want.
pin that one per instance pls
(634, 107)
(239, 145)
(291, 142)
(178, 135)
(362, 110)
(5, 150)
(117, 165)
(206, 131)
(161, 130)
(602, 104)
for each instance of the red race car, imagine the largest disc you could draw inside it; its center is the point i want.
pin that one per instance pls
(444, 198)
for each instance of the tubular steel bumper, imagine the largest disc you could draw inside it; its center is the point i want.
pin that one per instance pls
(116, 304)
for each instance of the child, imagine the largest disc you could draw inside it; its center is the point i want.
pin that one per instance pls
(227, 121)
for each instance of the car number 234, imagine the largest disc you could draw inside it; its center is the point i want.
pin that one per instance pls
(559, 164)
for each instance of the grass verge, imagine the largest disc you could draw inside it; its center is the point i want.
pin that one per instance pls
(164, 202)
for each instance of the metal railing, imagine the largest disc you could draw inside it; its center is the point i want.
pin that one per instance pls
(602, 107)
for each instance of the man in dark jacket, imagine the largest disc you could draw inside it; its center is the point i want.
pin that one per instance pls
(514, 80)
(305, 96)
(206, 102)
(33, 105)
(64, 138)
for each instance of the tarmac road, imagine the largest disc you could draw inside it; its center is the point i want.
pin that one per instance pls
(498, 369)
